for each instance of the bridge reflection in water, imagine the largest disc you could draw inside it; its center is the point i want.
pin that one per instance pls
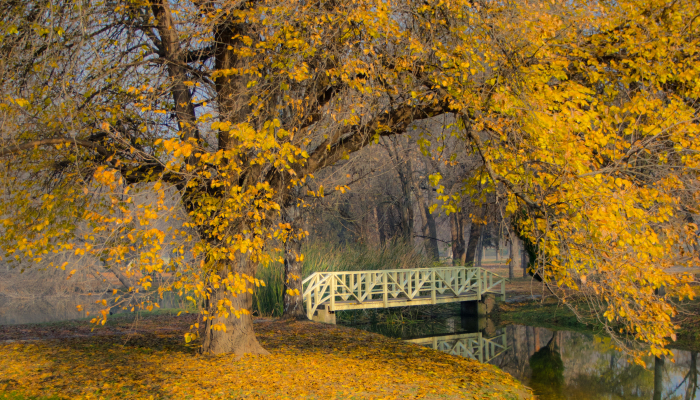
(472, 345)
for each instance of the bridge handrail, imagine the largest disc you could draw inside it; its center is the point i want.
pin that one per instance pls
(325, 286)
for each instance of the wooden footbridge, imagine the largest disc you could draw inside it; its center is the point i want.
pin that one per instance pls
(328, 292)
(471, 345)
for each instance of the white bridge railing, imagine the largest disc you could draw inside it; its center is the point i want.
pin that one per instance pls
(471, 345)
(351, 290)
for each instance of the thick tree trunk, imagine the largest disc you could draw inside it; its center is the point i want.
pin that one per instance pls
(474, 236)
(480, 249)
(692, 377)
(456, 232)
(292, 298)
(658, 377)
(432, 231)
(516, 260)
(239, 337)
(465, 226)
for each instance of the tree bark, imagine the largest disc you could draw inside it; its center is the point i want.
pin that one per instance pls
(498, 249)
(428, 230)
(239, 337)
(480, 249)
(658, 377)
(432, 230)
(456, 232)
(514, 256)
(293, 303)
(692, 377)
(291, 296)
(474, 236)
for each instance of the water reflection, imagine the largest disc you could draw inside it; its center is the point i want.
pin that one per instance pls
(15, 311)
(471, 345)
(557, 365)
(572, 365)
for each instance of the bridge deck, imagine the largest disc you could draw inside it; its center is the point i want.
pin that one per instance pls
(402, 302)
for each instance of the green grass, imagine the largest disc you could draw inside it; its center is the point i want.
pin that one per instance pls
(322, 257)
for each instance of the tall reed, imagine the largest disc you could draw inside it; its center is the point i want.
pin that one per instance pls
(322, 257)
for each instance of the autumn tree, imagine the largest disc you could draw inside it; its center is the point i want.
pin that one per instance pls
(230, 106)
(583, 114)
(594, 145)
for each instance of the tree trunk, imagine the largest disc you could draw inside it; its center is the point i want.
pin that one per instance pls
(498, 250)
(456, 232)
(474, 236)
(514, 256)
(239, 337)
(432, 230)
(524, 260)
(291, 295)
(480, 249)
(428, 230)
(692, 377)
(406, 210)
(292, 298)
(658, 377)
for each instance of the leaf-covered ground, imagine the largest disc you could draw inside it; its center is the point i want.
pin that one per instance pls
(309, 360)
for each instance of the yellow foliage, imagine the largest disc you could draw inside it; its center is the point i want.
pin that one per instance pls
(308, 361)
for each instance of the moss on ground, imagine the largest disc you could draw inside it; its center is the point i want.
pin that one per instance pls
(308, 360)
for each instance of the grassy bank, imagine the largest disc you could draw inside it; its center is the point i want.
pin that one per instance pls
(308, 360)
(322, 257)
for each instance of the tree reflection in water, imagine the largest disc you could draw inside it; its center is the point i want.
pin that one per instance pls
(569, 365)
(547, 369)
(580, 366)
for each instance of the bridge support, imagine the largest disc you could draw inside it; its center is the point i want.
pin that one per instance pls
(479, 307)
(324, 315)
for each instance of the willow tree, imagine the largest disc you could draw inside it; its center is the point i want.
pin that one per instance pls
(225, 106)
(591, 139)
(217, 113)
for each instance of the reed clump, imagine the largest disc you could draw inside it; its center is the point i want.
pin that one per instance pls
(324, 257)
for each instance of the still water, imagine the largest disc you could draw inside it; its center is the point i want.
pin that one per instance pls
(558, 365)
(36, 310)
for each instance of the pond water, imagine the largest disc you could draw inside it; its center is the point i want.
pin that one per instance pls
(14, 311)
(557, 365)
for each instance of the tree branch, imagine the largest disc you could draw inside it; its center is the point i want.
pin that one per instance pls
(49, 142)
(497, 178)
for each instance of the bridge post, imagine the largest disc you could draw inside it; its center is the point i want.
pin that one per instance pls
(479, 307)
(324, 315)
